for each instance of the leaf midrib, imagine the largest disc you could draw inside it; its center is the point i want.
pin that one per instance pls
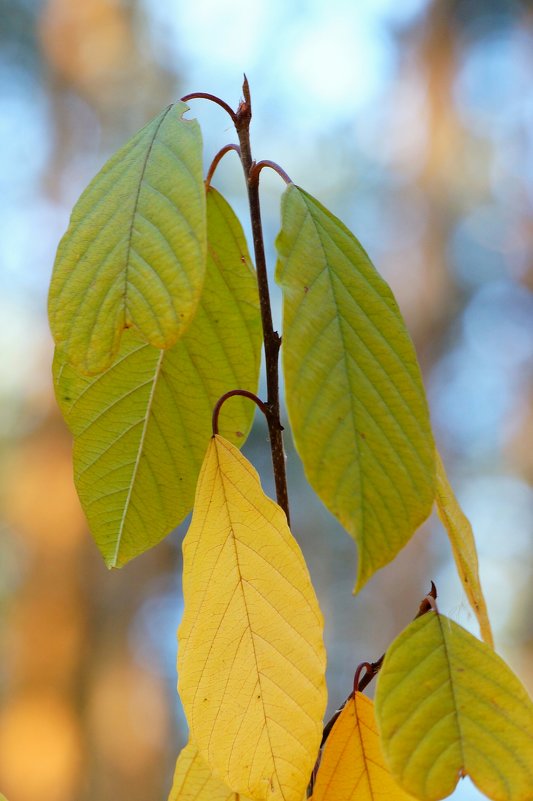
(345, 360)
(248, 621)
(134, 211)
(138, 458)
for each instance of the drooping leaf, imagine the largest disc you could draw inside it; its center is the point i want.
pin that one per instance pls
(134, 253)
(447, 705)
(354, 394)
(352, 767)
(141, 427)
(193, 780)
(464, 550)
(251, 659)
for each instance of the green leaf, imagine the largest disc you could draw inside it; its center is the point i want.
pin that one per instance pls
(134, 253)
(141, 428)
(448, 706)
(354, 394)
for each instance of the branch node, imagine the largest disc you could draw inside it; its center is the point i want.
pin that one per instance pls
(253, 175)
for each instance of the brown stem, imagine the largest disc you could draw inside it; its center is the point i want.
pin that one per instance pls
(271, 338)
(357, 681)
(253, 177)
(244, 393)
(213, 99)
(373, 668)
(216, 161)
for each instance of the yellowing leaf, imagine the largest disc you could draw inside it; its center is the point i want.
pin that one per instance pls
(251, 659)
(134, 253)
(354, 394)
(141, 427)
(352, 767)
(447, 705)
(193, 780)
(464, 551)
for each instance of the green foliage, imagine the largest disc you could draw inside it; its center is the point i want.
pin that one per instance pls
(141, 427)
(448, 706)
(149, 355)
(355, 398)
(134, 252)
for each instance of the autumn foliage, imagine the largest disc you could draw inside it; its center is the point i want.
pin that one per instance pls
(157, 312)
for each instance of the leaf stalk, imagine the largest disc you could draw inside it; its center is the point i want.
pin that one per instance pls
(214, 164)
(244, 393)
(213, 99)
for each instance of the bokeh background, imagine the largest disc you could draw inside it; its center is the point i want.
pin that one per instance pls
(413, 122)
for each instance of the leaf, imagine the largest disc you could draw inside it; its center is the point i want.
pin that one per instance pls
(352, 767)
(193, 781)
(134, 253)
(354, 393)
(464, 551)
(251, 659)
(447, 706)
(141, 427)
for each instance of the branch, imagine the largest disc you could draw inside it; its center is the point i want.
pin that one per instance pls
(373, 668)
(271, 339)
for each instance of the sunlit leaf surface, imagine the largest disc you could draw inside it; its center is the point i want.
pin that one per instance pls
(352, 767)
(448, 706)
(193, 780)
(464, 550)
(251, 659)
(134, 253)
(354, 394)
(141, 428)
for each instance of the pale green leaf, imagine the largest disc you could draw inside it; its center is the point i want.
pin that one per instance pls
(134, 253)
(141, 427)
(251, 658)
(447, 706)
(464, 550)
(354, 393)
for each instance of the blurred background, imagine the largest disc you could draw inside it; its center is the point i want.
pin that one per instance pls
(413, 122)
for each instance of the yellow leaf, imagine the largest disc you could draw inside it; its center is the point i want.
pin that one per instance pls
(447, 706)
(464, 551)
(251, 659)
(352, 766)
(193, 781)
